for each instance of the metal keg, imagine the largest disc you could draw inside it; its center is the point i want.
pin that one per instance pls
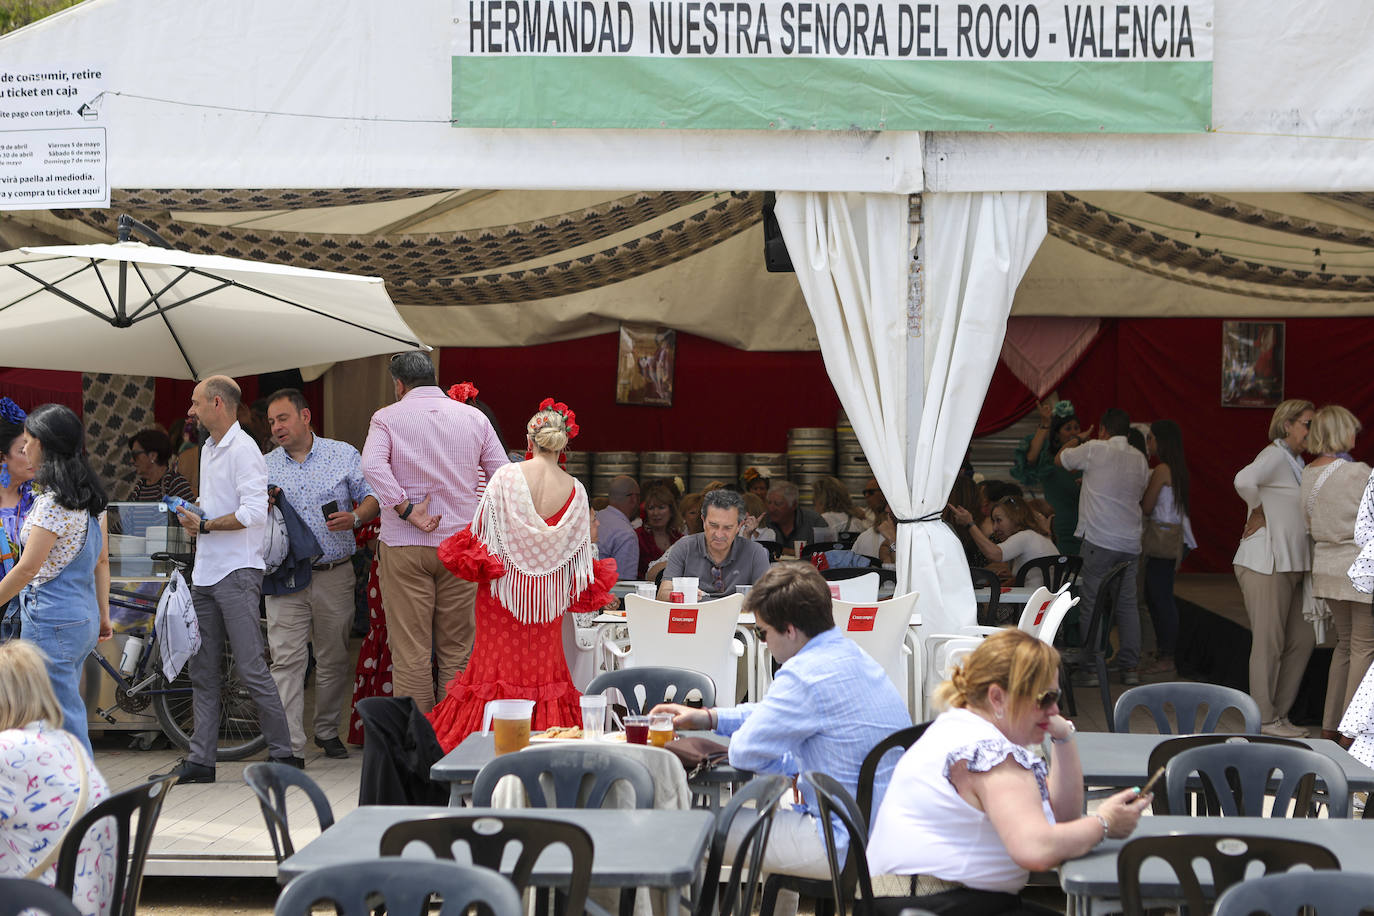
(606, 466)
(580, 466)
(657, 465)
(712, 466)
(770, 464)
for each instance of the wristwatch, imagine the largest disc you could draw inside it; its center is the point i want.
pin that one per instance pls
(203, 529)
(357, 522)
(1073, 730)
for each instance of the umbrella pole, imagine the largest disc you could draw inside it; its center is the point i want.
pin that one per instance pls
(125, 228)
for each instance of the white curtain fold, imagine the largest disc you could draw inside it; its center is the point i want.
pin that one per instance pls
(912, 375)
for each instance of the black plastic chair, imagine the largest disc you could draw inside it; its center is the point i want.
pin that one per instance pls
(1328, 894)
(660, 685)
(901, 739)
(774, 549)
(1228, 857)
(1239, 776)
(1097, 637)
(835, 803)
(269, 782)
(763, 792)
(810, 550)
(1054, 571)
(402, 886)
(990, 613)
(1206, 802)
(18, 895)
(487, 838)
(840, 573)
(132, 847)
(567, 768)
(1187, 699)
(847, 538)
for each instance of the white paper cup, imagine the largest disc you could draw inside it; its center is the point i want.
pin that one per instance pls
(593, 716)
(688, 586)
(646, 590)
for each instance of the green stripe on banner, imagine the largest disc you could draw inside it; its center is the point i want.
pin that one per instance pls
(832, 94)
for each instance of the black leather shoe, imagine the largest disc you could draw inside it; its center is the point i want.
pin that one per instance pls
(191, 772)
(332, 747)
(297, 762)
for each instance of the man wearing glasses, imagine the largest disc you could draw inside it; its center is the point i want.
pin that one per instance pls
(830, 703)
(718, 557)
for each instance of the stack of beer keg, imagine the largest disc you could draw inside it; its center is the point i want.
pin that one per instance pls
(606, 466)
(810, 455)
(851, 465)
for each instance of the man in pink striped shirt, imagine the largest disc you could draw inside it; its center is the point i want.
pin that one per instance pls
(422, 459)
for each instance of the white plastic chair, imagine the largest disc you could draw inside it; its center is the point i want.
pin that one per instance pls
(1032, 614)
(858, 590)
(879, 628)
(710, 648)
(1054, 615)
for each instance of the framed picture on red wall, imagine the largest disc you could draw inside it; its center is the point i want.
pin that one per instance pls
(644, 367)
(1251, 363)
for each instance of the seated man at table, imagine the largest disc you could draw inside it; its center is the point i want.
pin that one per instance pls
(788, 521)
(830, 703)
(718, 557)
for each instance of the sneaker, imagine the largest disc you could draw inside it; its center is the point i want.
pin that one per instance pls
(297, 762)
(1130, 677)
(1282, 728)
(189, 772)
(332, 747)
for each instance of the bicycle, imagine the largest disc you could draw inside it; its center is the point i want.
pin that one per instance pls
(240, 734)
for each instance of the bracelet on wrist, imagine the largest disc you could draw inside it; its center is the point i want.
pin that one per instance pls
(1103, 821)
(1073, 730)
(410, 507)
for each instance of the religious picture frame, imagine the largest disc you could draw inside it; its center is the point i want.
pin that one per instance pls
(1252, 358)
(644, 367)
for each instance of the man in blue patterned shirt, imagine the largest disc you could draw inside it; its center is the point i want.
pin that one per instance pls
(829, 704)
(323, 481)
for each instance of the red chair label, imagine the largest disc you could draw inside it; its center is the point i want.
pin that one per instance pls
(1040, 614)
(861, 619)
(682, 620)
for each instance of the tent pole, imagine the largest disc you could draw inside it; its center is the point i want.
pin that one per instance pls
(915, 364)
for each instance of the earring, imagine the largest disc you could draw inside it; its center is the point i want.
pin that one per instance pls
(529, 455)
(4, 474)
(1000, 713)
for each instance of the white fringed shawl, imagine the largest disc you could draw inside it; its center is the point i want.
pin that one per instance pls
(546, 568)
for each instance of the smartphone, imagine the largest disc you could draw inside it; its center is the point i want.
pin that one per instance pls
(330, 508)
(1151, 784)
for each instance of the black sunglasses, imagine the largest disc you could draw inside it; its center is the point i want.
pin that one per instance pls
(1048, 698)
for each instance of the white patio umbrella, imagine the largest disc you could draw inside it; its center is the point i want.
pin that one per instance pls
(142, 310)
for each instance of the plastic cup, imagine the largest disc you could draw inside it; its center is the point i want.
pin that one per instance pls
(511, 721)
(646, 590)
(593, 717)
(797, 547)
(688, 586)
(636, 729)
(660, 728)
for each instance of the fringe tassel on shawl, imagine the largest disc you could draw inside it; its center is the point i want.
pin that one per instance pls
(531, 596)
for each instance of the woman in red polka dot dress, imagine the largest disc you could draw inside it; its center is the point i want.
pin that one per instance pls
(529, 550)
(373, 677)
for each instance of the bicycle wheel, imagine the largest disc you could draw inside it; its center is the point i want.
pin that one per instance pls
(240, 733)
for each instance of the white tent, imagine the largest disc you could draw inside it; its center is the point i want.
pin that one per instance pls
(352, 94)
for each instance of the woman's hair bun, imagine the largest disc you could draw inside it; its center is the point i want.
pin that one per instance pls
(549, 431)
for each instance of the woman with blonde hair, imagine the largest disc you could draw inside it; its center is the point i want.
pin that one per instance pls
(529, 550)
(835, 505)
(37, 751)
(1019, 538)
(1274, 554)
(970, 809)
(662, 526)
(1332, 485)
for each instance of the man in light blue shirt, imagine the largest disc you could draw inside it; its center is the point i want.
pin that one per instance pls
(618, 539)
(323, 481)
(829, 704)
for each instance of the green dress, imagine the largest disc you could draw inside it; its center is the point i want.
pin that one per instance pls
(1061, 489)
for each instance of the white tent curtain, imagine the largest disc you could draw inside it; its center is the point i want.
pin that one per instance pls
(912, 375)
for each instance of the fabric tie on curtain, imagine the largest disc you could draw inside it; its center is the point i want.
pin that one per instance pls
(912, 374)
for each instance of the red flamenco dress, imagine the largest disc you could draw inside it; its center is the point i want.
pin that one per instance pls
(511, 659)
(372, 677)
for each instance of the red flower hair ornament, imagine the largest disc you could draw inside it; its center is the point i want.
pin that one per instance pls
(569, 418)
(463, 392)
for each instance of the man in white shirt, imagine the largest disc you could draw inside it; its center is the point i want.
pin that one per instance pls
(226, 581)
(1110, 522)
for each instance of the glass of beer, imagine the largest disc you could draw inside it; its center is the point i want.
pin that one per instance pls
(660, 728)
(637, 729)
(510, 722)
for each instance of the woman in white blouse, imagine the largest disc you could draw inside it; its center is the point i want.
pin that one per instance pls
(970, 809)
(1331, 489)
(1274, 554)
(36, 751)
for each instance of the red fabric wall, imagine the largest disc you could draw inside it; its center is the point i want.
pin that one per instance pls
(1171, 368)
(30, 387)
(724, 399)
